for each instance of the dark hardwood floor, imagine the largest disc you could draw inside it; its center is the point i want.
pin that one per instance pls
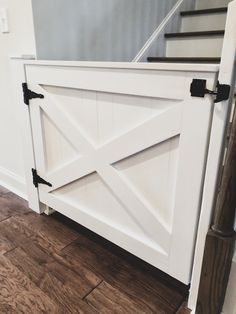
(53, 265)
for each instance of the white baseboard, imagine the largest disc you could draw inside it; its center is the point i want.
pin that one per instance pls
(13, 182)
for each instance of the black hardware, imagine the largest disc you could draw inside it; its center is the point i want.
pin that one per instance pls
(38, 180)
(198, 89)
(223, 92)
(29, 94)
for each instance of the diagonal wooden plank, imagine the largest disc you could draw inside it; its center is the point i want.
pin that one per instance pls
(70, 172)
(142, 213)
(122, 237)
(153, 131)
(158, 129)
(66, 125)
(168, 126)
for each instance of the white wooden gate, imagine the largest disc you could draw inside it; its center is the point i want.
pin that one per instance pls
(124, 147)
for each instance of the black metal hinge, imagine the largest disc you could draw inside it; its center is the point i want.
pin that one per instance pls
(198, 89)
(29, 94)
(38, 180)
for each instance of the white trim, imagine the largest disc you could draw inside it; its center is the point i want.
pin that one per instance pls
(18, 73)
(128, 65)
(157, 32)
(34, 32)
(13, 182)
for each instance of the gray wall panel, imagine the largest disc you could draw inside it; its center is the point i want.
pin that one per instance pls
(95, 30)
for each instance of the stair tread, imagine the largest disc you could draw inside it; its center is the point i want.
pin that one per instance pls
(184, 59)
(205, 11)
(195, 34)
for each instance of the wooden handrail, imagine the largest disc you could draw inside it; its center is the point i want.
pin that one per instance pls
(157, 32)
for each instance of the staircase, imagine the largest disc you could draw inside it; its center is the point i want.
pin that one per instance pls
(201, 37)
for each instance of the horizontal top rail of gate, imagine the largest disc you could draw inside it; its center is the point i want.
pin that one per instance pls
(128, 65)
(171, 81)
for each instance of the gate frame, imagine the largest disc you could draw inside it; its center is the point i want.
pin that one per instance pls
(18, 66)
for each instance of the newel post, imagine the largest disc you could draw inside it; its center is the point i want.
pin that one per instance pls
(220, 240)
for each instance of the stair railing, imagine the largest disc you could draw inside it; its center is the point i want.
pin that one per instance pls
(158, 31)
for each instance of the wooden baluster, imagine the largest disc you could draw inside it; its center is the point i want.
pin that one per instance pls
(220, 240)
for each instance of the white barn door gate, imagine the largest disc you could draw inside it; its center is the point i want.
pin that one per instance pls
(124, 148)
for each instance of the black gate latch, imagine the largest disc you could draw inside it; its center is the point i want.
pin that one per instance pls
(29, 94)
(38, 180)
(198, 89)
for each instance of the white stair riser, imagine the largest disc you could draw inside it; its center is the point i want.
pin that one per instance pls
(209, 4)
(194, 46)
(203, 22)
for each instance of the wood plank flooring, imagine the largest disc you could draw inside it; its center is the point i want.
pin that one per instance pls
(53, 265)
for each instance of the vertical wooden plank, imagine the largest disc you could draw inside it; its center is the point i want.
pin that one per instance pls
(38, 136)
(17, 66)
(105, 117)
(194, 139)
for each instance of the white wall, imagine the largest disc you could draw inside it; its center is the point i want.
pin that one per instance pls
(19, 41)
